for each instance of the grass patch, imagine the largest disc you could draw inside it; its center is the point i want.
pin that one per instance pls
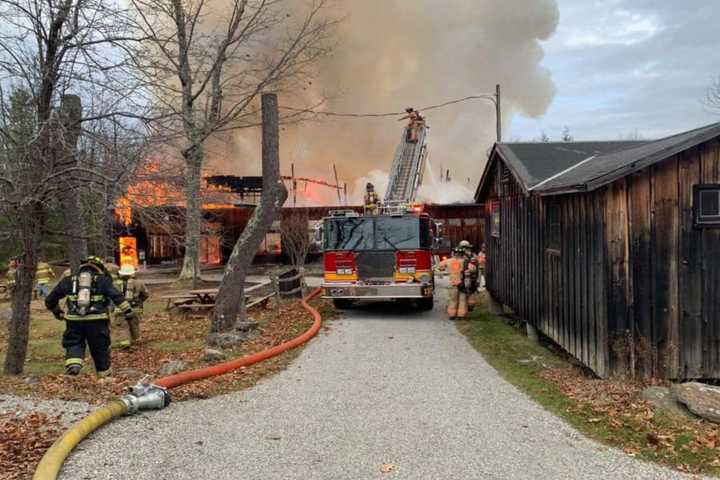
(609, 411)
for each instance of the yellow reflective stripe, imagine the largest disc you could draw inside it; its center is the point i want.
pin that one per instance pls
(72, 298)
(124, 306)
(97, 298)
(73, 361)
(104, 373)
(94, 316)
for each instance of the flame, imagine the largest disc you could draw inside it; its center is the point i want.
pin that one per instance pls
(128, 251)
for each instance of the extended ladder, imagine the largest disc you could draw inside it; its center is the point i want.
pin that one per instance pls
(407, 169)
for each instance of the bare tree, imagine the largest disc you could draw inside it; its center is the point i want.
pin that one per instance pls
(49, 49)
(230, 301)
(712, 96)
(208, 63)
(295, 235)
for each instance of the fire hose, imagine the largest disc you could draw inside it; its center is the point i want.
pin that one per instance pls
(146, 396)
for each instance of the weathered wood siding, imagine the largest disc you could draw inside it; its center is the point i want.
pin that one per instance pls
(561, 292)
(634, 288)
(664, 285)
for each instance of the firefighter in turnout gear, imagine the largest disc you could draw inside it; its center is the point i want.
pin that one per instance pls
(11, 276)
(416, 122)
(473, 273)
(89, 291)
(459, 270)
(43, 274)
(135, 293)
(372, 201)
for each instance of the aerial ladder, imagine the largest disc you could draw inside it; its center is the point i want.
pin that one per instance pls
(407, 169)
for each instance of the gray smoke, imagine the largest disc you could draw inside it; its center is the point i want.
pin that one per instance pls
(392, 54)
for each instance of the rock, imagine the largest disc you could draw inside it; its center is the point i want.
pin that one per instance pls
(172, 367)
(663, 399)
(701, 399)
(213, 356)
(225, 340)
(246, 326)
(5, 315)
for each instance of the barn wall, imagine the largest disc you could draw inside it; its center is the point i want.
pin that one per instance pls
(664, 285)
(561, 292)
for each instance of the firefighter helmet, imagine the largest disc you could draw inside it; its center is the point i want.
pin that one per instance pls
(369, 187)
(464, 244)
(127, 270)
(94, 262)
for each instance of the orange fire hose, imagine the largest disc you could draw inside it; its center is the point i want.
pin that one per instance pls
(51, 463)
(192, 375)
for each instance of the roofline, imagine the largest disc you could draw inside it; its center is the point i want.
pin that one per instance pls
(643, 162)
(485, 172)
(512, 162)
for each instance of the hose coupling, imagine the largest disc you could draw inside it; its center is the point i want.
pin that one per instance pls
(145, 396)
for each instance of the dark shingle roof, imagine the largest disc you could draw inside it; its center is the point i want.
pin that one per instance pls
(533, 163)
(608, 167)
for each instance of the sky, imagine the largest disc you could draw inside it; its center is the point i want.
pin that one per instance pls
(628, 68)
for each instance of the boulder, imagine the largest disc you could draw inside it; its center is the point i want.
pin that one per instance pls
(225, 340)
(663, 399)
(213, 356)
(701, 399)
(172, 367)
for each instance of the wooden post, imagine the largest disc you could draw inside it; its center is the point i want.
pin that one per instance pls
(337, 185)
(276, 288)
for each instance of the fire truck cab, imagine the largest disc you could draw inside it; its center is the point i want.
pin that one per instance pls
(385, 256)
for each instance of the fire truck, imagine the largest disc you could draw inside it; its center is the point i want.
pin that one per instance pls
(387, 254)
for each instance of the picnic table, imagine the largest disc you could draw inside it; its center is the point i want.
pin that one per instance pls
(203, 299)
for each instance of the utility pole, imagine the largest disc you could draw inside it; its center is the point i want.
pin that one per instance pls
(498, 115)
(337, 185)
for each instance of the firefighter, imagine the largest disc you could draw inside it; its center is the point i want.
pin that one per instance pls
(459, 270)
(416, 122)
(89, 291)
(481, 261)
(43, 274)
(135, 293)
(11, 276)
(472, 260)
(372, 200)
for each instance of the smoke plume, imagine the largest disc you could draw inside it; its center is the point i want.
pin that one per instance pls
(393, 54)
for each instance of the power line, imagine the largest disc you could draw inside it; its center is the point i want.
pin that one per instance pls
(389, 114)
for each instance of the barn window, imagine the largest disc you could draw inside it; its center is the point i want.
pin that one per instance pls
(552, 226)
(707, 205)
(495, 220)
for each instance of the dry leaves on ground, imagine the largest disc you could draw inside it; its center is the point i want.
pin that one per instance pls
(25, 438)
(618, 403)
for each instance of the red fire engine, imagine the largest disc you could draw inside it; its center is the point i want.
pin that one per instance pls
(388, 252)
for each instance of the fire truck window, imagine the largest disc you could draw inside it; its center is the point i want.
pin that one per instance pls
(397, 233)
(349, 234)
(426, 234)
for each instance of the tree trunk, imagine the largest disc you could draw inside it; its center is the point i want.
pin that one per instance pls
(230, 301)
(75, 242)
(193, 212)
(31, 226)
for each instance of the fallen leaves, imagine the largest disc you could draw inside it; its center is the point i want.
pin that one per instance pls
(634, 425)
(25, 438)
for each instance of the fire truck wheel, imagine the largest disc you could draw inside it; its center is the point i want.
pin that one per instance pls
(425, 304)
(342, 303)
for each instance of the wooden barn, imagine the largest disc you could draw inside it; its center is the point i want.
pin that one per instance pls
(612, 249)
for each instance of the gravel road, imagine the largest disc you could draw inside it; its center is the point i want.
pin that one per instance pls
(383, 387)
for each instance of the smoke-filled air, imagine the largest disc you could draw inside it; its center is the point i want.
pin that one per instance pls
(393, 54)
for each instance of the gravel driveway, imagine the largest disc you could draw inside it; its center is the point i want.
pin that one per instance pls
(383, 387)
